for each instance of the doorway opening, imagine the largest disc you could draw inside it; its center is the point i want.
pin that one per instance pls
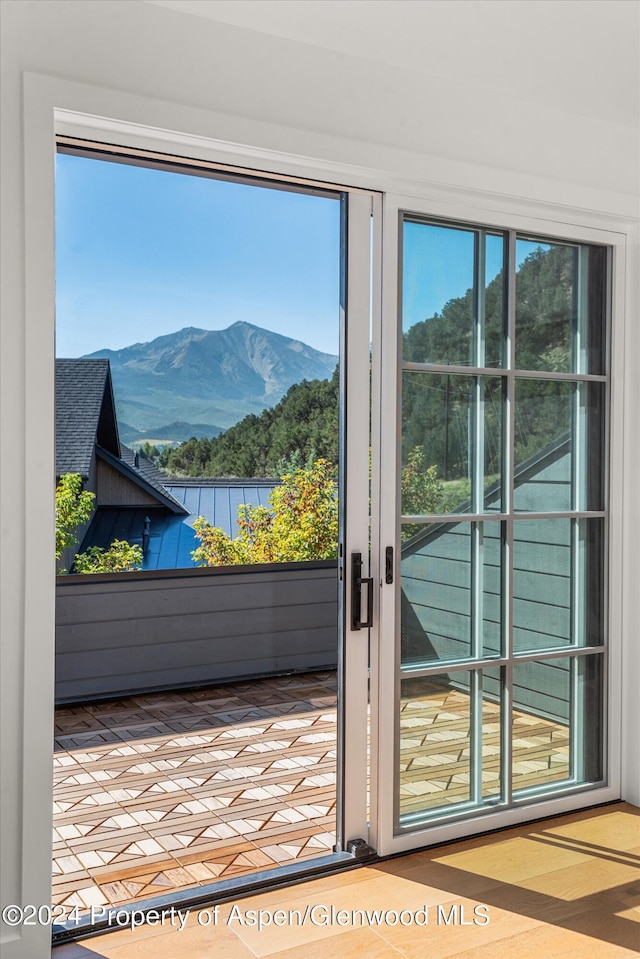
(200, 329)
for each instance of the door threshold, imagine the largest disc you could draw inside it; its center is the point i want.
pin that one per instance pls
(103, 919)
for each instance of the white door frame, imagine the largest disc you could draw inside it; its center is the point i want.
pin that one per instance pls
(42, 126)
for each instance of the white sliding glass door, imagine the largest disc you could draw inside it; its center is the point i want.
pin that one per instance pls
(493, 453)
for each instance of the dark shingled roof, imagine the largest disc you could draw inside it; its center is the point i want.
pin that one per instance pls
(85, 414)
(86, 421)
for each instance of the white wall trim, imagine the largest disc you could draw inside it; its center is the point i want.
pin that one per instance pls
(142, 120)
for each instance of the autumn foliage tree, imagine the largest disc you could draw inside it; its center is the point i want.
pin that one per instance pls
(300, 524)
(120, 557)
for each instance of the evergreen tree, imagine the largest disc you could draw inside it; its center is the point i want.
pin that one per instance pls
(302, 426)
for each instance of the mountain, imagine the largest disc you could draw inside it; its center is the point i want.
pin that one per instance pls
(208, 376)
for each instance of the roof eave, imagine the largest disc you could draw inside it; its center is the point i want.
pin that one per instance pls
(164, 499)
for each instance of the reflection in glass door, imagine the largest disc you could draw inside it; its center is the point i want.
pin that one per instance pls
(501, 521)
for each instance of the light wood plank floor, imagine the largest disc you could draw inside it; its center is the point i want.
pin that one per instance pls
(566, 887)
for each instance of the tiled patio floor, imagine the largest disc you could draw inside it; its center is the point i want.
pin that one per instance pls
(172, 790)
(565, 888)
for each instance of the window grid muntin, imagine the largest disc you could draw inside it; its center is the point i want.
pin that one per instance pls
(509, 516)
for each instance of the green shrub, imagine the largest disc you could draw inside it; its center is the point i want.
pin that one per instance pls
(120, 557)
(73, 508)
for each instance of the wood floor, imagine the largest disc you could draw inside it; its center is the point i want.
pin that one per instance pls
(566, 887)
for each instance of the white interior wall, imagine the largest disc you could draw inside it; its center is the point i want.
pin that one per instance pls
(546, 52)
(311, 86)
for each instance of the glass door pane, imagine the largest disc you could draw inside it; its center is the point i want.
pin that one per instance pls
(450, 743)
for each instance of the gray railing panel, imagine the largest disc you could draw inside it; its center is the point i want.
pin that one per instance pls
(120, 635)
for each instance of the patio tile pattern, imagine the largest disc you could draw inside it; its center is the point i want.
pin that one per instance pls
(172, 790)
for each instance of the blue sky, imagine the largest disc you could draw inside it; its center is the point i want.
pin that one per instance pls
(141, 253)
(438, 265)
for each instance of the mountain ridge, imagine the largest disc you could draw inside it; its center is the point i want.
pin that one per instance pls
(196, 376)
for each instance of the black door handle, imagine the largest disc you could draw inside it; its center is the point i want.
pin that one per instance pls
(388, 565)
(357, 581)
